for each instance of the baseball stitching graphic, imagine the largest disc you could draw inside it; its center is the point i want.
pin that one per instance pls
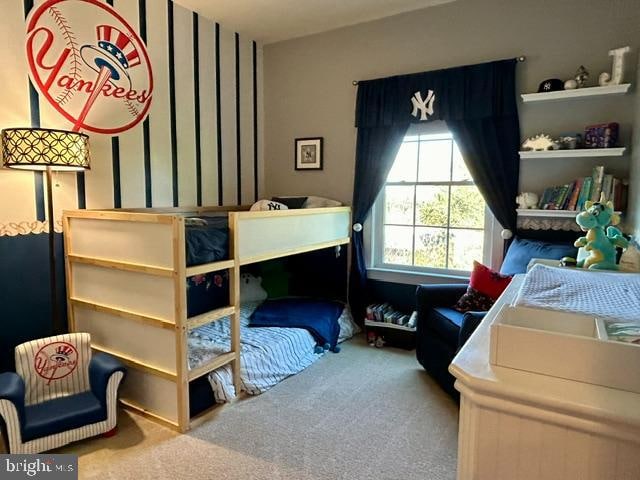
(95, 73)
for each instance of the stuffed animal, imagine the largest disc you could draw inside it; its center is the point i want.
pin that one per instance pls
(527, 200)
(251, 288)
(598, 247)
(540, 142)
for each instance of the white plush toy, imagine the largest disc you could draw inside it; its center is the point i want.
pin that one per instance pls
(527, 200)
(251, 288)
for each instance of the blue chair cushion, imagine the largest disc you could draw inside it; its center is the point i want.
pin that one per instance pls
(521, 252)
(62, 414)
(446, 322)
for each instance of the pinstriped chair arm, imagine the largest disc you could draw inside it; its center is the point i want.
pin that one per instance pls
(12, 389)
(101, 367)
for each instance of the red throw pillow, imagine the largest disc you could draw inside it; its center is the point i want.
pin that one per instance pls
(485, 286)
(487, 281)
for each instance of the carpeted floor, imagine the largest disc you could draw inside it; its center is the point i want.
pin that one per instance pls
(364, 413)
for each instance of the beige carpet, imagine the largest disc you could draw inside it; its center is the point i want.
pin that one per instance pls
(364, 413)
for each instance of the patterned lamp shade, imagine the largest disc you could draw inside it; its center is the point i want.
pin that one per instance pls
(39, 148)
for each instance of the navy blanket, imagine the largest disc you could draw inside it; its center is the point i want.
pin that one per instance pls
(207, 243)
(318, 317)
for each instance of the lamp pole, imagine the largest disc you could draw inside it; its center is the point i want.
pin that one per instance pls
(57, 327)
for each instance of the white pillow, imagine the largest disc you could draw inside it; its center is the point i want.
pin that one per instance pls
(265, 205)
(348, 328)
(320, 202)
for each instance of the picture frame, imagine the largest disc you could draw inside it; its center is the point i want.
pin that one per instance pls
(308, 153)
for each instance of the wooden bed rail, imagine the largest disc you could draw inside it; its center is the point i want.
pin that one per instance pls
(210, 317)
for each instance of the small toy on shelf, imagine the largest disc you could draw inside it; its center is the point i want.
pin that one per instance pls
(540, 142)
(582, 75)
(570, 141)
(527, 200)
(570, 84)
(598, 247)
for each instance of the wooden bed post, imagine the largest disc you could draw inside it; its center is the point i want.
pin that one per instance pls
(182, 353)
(66, 235)
(234, 300)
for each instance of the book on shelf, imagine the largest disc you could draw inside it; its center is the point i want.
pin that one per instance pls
(607, 187)
(585, 192)
(598, 177)
(573, 196)
(575, 193)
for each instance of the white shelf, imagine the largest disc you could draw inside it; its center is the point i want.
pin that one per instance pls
(371, 323)
(522, 212)
(576, 153)
(576, 93)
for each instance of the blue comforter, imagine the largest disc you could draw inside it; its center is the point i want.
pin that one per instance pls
(318, 317)
(207, 243)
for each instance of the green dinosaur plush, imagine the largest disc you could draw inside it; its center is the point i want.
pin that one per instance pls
(598, 247)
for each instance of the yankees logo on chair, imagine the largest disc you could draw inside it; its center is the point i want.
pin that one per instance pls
(92, 67)
(424, 106)
(55, 360)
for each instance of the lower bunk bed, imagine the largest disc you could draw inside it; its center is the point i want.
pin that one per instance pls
(269, 355)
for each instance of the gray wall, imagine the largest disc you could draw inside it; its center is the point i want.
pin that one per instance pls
(634, 193)
(308, 89)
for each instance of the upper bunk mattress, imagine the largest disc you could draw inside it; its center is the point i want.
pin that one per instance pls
(208, 242)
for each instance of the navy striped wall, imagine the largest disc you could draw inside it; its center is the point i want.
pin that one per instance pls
(200, 144)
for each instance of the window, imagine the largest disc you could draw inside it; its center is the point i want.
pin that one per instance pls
(430, 216)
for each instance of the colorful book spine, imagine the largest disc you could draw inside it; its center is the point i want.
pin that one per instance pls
(573, 201)
(598, 177)
(542, 204)
(567, 192)
(558, 197)
(616, 195)
(585, 193)
(607, 186)
(551, 201)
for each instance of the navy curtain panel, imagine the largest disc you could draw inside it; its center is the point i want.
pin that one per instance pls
(478, 103)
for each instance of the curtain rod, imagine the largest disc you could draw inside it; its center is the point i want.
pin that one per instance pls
(521, 58)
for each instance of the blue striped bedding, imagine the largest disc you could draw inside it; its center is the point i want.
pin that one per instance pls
(269, 355)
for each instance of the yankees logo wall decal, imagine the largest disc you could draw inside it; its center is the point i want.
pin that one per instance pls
(88, 62)
(424, 106)
(55, 360)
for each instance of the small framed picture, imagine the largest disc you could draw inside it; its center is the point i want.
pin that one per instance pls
(308, 153)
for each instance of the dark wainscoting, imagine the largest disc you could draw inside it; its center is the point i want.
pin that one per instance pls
(25, 307)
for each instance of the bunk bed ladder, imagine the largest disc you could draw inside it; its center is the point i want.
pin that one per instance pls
(185, 324)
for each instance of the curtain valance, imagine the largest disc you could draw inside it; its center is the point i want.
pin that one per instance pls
(470, 92)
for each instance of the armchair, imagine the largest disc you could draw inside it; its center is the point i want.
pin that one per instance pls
(59, 393)
(441, 331)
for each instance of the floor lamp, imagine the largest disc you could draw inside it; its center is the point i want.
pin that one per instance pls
(47, 150)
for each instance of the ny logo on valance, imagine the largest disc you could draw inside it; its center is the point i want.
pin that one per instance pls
(424, 106)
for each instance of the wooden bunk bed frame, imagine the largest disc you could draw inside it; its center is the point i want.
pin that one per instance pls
(126, 285)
